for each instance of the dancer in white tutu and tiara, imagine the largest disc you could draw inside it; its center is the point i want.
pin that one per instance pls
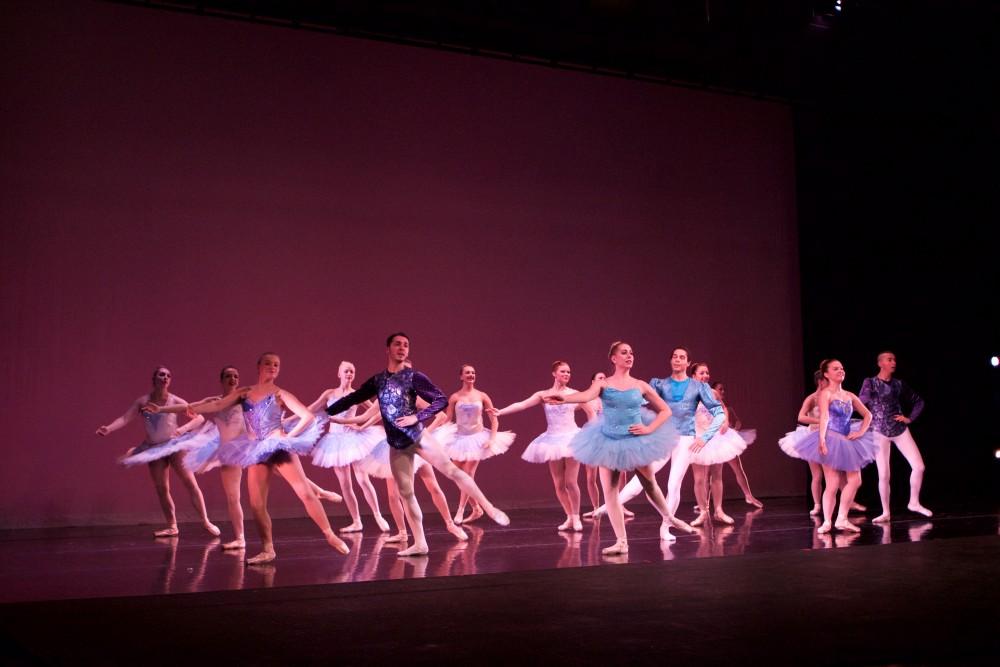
(837, 446)
(552, 447)
(265, 448)
(466, 439)
(624, 438)
(342, 446)
(706, 463)
(164, 448)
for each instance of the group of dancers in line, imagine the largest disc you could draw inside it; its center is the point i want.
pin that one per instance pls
(398, 425)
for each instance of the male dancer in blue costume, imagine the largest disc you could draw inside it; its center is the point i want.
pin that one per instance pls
(682, 395)
(397, 389)
(885, 395)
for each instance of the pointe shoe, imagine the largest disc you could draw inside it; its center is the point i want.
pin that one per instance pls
(588, 515)
(398, 537)
(263, 558)
(844, 524)
(680, 524)
(353, 528)
(619, 547)
(458, 518)
(577, 525)
(415, 551)
(212, 529)
(499, 517)
(750, 500)
(235, 545)
(919, 509)
(457, 531)
(722, 517)
(815, 510)
(882, 518)
(599, 512)
(474, 515)
(665, 534)
(700, 519)
(382, 524)
(824, 528)
(338, 544)
(167, 532)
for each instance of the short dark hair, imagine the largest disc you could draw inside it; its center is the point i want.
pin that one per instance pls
(222, 373)
(388, 340)
(687, 352)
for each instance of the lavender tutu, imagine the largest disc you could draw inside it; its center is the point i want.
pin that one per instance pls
(150, 451)
(376, 463)
(842, 454)
(245, 450)
(470, 446)
(791, 440)
(343, 445)
(720, 449)
(205, 455)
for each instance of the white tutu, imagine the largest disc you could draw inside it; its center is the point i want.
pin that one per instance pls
(749, 435)
(720, 449)
(343, 445)
(792, 438)
(470, 446)
(550, 446)
(148, 452)
(376, 463)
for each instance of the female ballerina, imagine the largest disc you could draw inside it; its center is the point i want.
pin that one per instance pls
(164, 448)
(342, 447)
(593, 487)
(736, 465)
(466, 440)
(266, 449)
(624, 438)
(552, 447)
(836, 447)
(706, 463)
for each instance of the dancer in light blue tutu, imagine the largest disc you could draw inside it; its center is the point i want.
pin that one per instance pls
(836, 446)
(624, 438)
(265, 448)
(164, 448)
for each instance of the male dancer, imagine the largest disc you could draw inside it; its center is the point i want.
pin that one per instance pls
(397, 389)
(884, 395)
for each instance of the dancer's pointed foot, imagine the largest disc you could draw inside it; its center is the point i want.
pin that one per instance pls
(618, 548)
(588, 515)
(681, 525)
(824, 528)
(665, 534)
(882, 518)
(212, 529)
(858, 507)
(382, 524)
(401, 536)
(337, 543)
(629, 514)
(457, 531)
(844, 524)
(750, 500)
(415, 550)
(330, 496)
(474, 515)
(170, 531)
(815, 510)
(919, 509)
(600, 511)
(499, 517)
(355, 527)
(722, 517)
(235, 545)
(263, 558)
(458, 517)
(700, 519)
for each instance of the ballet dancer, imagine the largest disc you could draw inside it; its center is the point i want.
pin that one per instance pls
(163, 449)
(706, 463)
(264, 449)
(885, 396)
(736, 465)
(341, 447)
(466, 440)
(552, 447)
(837, 447)
(397, 389)
(624, 438)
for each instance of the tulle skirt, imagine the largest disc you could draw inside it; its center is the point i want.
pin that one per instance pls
(205, 455)
(343, 445)
(472, 446)
(550, 446)
(842, 454)
(376, 463)
(721, 448)
(148, 451)
(791, 440)
(245, 451)
(593, 447)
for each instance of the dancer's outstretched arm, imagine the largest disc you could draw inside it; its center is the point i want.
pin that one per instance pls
(530, 402)
(128, 416)
(588, 394)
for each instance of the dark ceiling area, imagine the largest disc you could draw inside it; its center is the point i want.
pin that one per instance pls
(852, 52)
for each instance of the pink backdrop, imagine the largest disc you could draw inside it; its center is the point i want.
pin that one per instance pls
(193, 191)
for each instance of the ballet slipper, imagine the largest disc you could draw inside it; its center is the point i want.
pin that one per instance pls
(263, 558)
(235, 545)
(499, 517)
(665, 534)
(382, 524)
(681, 524)
(858, 507)
(919, 509)
(565, 525)
(415, 550)
(700, 519)
(588, 515)
(337, 543)
(722, 517)
(601, 511)
(750, 500)
(577, 525)
(824, 528)
(474, 515)
(167, 532)
(353, 528)
(401, 536)
(458, 518)
(212, 529)
(618, 548)
(882, 518)
(844, 524)
(815, 510)
(457, 532)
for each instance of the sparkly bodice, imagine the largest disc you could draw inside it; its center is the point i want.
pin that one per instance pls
(160, 426)
(263, 417)
(840, 416)
(469, 417)
(702, 418)
(621, 410)
(559, 417)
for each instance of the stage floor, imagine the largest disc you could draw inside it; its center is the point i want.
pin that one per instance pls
(121, 561)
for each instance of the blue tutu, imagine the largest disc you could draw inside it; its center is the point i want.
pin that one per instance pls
(245, 450)
(205, 455)
(594, 447)
(842, 454)
(149, 451)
